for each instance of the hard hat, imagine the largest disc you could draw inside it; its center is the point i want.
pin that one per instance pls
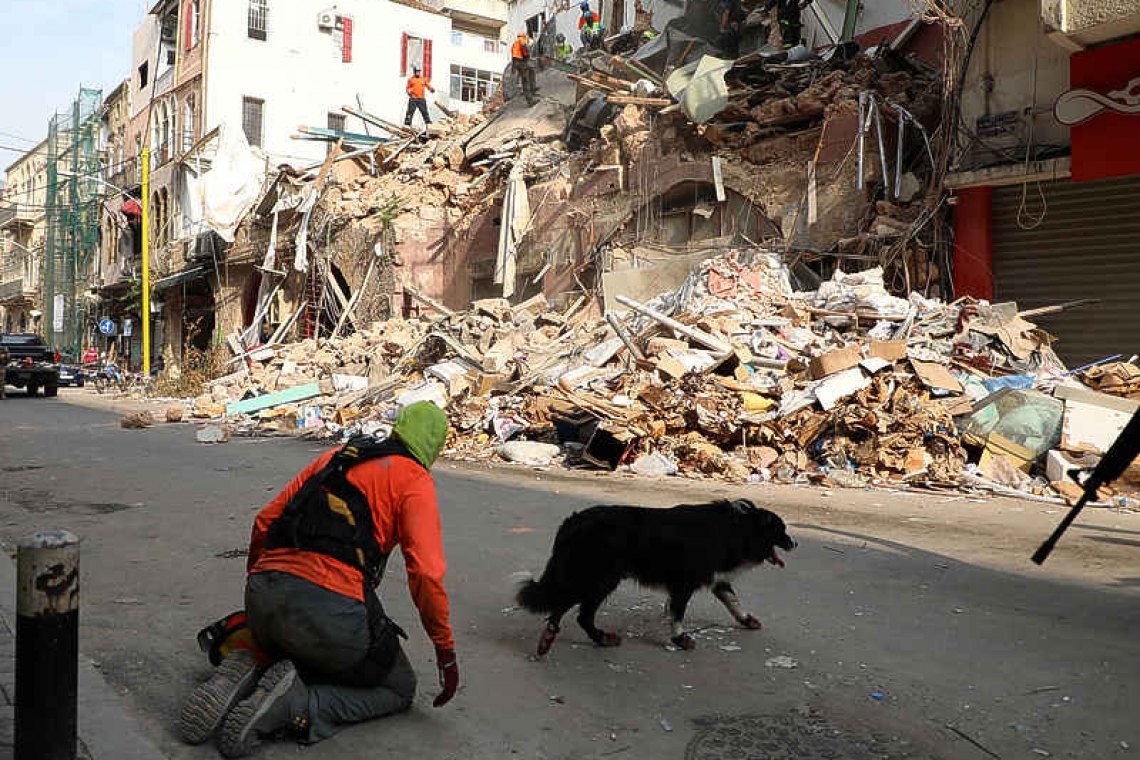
(585, 5)
(560, 37)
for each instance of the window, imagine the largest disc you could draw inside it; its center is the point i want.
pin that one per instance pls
(415, 52)
(252, 118)
(534, 25)
(144, 69)
(490, 46)
(192, 19)
(457, 39)
(188, 123)
(258, 26)
(335, 121)
(470, 85)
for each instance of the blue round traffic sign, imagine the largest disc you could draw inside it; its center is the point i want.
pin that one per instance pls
(107, 326)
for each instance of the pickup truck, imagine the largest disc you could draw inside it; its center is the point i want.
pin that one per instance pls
(31, 364)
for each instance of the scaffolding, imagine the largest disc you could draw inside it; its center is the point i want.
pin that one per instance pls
(72, 218)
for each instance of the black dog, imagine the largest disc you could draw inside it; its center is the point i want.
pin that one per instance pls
(682, 549)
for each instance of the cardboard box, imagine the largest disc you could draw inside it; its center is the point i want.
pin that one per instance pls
(936, 376)
(834, 361)
(891, 350)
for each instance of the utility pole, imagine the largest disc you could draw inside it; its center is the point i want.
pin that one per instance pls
(146, 260)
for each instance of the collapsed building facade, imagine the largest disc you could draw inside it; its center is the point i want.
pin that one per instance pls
(599, 189)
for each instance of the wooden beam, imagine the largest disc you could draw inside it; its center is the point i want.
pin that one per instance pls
(636, 100)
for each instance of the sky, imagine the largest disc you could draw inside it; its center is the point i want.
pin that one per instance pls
(49, 49)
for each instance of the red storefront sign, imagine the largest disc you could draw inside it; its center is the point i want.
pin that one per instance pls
(1103, 109)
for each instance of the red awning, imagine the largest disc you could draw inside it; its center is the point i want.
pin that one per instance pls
(132, 208)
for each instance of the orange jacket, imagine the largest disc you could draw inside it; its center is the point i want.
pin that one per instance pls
(416, 87)
(405, 513)
(520, 51)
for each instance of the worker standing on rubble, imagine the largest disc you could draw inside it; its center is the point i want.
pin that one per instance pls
(520, 64)
(589, 27)
(562, 49)
(316, 555)
(789, 16)
(417, 101)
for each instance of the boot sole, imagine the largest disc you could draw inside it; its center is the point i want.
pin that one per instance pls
(207, 706)
(237, 737)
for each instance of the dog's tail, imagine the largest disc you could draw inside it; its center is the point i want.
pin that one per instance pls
(534, 596)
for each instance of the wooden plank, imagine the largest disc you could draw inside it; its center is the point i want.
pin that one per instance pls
(270, 400)
(593, 83)
(429, 301)
(377, 121)
(636, 100)
(718, 179)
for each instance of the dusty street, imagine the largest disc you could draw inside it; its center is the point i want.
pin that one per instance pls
(919, 627)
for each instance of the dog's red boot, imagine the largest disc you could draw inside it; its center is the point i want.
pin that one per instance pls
(684, 641)
(546, 641)
(609, 639)
(752, 623)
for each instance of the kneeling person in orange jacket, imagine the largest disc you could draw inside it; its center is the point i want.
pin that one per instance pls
(316, 555)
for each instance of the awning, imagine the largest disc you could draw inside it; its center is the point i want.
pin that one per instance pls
(179, 278)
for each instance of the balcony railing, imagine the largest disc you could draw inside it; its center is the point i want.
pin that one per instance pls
(16, 289)
(18, 212)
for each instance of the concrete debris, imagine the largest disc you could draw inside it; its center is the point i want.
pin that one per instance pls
(213, 434)
(136, 420)
(175, 414)
(790, 397)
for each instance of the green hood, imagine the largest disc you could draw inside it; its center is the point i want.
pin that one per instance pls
(422, 427)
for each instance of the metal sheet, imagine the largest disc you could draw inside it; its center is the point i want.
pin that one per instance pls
(1087, 245)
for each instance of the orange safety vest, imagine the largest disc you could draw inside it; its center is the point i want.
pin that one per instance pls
(519, 51)
(416, 86)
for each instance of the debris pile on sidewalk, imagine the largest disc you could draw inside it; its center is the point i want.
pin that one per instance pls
(734, 375)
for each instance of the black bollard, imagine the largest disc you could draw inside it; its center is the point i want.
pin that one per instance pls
(47, 646)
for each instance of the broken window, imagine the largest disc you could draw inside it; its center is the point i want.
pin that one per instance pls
(470, 85)
(252, 119)
(335, 121)
(415, 52)
(258, 24)
(534, 25)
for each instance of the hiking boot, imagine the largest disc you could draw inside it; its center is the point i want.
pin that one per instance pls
(206, 707)
(279, 704)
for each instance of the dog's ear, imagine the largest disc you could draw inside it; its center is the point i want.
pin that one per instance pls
(742, 506)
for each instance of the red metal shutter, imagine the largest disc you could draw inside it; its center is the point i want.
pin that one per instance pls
(188, 25)
(346, 45)
(427, 60)
(404, 54)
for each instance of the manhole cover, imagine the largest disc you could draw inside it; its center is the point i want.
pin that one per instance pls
(776, 737)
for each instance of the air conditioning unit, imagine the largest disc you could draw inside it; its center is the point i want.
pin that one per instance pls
(326, 20)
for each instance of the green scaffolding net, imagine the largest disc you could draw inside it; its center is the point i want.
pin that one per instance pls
(74, 191)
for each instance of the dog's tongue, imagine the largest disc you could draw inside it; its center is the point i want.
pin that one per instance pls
(774, 558)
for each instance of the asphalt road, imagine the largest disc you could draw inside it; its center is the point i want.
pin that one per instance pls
(901, 650)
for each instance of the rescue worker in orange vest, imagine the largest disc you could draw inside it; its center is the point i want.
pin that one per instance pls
(520, 64)
(416, 98)
(326, 653)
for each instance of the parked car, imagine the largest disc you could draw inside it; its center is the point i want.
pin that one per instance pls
(32, 365)
(71, 371)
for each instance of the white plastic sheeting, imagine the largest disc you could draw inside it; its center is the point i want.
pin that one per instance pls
(233, 184)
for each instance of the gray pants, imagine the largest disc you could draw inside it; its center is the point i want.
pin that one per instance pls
(328, 637)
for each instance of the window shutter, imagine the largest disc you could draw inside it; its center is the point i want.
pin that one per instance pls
(188, 25)
(427, 60)
(404, 54)
(346, 43)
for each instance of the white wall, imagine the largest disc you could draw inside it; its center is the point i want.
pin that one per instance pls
(1001, 75)
(872, 16)
(298, 70)
(471, 54)
(144, 48)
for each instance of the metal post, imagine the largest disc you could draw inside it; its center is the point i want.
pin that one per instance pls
(47, 646)
(145, 158)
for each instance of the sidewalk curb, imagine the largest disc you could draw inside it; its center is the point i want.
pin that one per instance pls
(106, 729)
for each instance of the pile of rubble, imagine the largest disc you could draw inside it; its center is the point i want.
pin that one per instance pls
(735, 375)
